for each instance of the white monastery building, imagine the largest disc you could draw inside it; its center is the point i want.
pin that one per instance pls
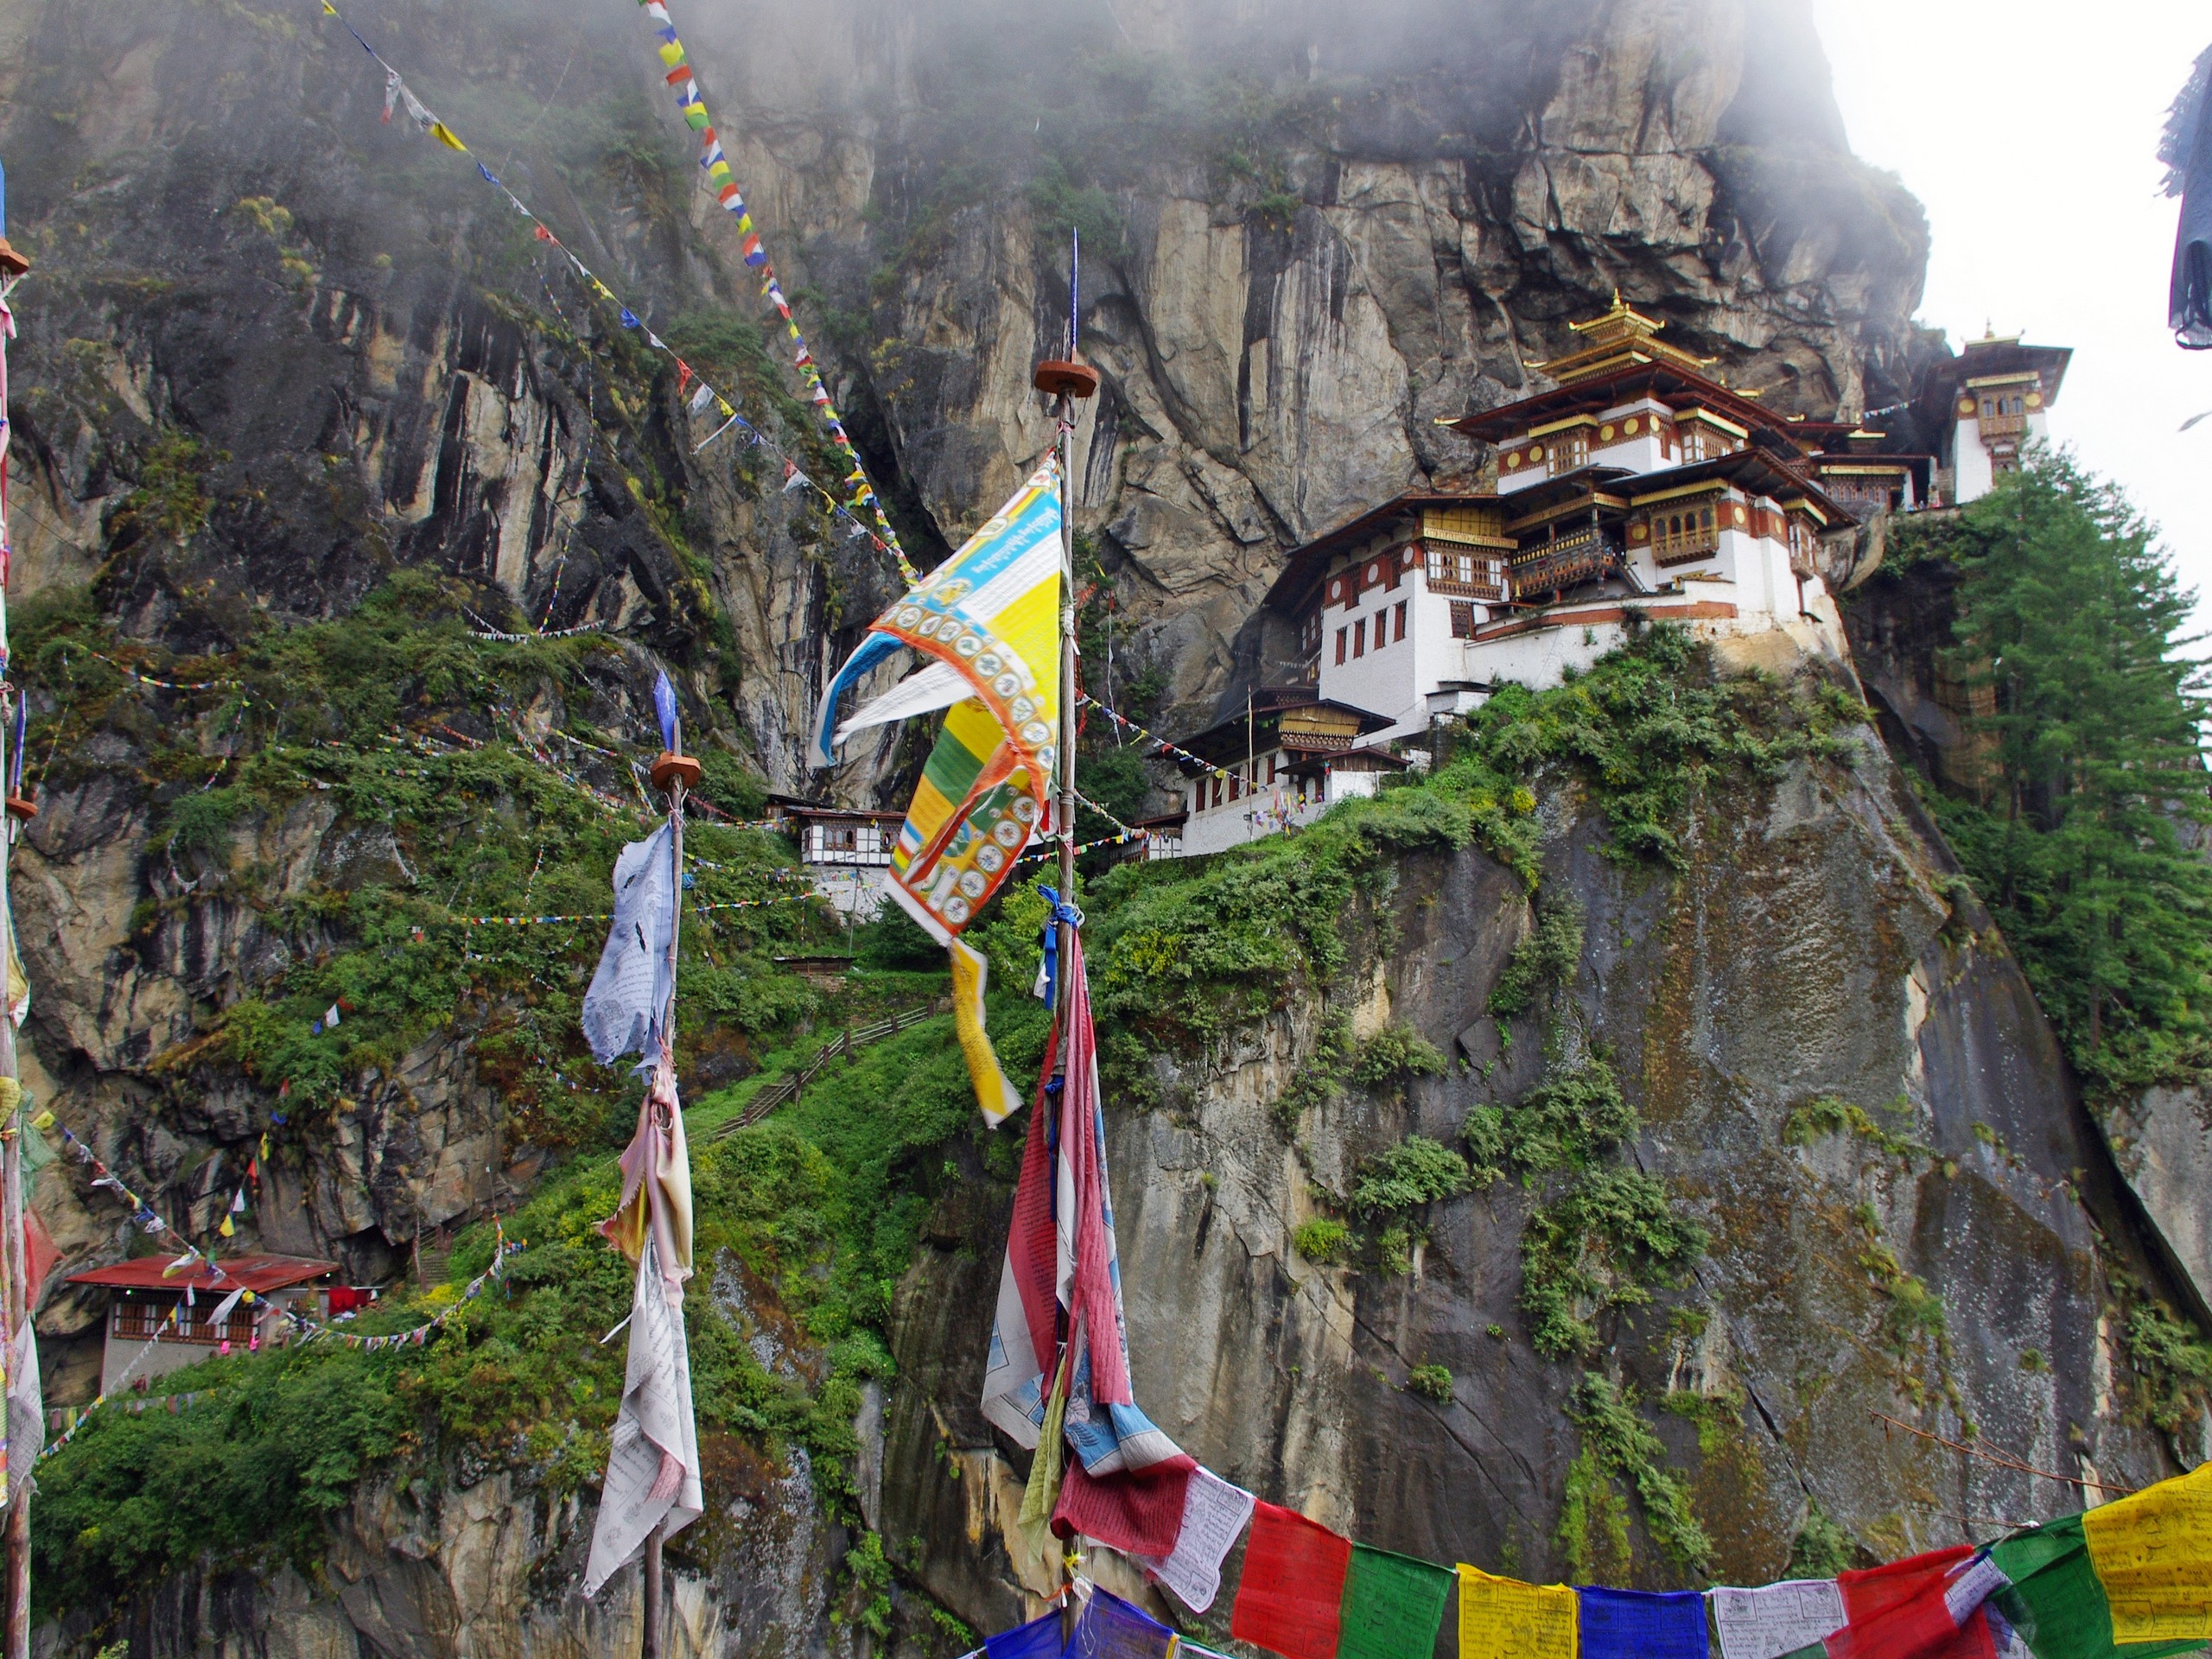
(1638, 489)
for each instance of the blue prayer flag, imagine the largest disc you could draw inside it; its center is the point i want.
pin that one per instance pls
(665, 706)
(1641, 1623)
(1038, 1639)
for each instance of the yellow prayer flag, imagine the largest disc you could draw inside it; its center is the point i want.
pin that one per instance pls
(970, 972)
(2152, 1553)
(443, 134)
(226, 1230)
(328, 10)
(1504, 1618)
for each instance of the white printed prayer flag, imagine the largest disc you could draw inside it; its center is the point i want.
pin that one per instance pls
(1777, 1619)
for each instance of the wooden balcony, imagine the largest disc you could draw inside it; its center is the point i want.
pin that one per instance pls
(1994, 425)
(1464, 573)
(1553, 567)
(1676, 543)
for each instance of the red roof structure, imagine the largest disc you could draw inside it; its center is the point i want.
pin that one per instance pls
(259, 1274)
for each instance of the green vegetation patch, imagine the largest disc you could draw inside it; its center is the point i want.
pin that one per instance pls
(2078, 831)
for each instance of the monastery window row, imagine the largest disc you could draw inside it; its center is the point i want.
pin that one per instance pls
(1355, 632)
(1564, 451)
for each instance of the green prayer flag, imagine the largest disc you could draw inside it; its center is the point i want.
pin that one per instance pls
(1393, 1606)
(2055, 1601)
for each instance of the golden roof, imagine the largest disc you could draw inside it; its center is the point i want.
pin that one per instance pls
(1620, 337)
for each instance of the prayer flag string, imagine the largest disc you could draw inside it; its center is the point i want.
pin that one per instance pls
(691, 104)
(701, 393)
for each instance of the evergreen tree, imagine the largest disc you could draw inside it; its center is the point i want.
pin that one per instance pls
(2086, 840)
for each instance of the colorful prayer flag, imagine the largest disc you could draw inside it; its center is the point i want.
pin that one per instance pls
(1127, 1484)
(2153, 1554)
(1108, 1627)
(1640, 1623)
(2053, 1601)
(1926, 1607)
(988, 620)
(1214, 1514)
(1504, 1618)
(1039, 1638)
(1777, 1618)
(1394, 1607)
(1291, 1597)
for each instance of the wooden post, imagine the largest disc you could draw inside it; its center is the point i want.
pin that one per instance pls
(14, 1305)
(18, 1562)
(651, 1648)
(671, 772)
(1064, 381)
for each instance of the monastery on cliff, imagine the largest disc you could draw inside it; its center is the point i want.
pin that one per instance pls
(1638, 487)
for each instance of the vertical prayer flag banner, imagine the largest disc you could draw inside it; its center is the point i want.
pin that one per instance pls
(2152, 1553)
(1291, 1597)
(1504, 1618)
(1640, 1623)
(1393, 1606)
(1058, 1363)
(988, 621)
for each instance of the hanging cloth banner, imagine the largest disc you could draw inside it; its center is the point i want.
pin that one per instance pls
(1640, 1623)
(2153, 1556)
(1127, 1484)
(1926, 1607)
(1394, 1607)
(1777, 1618)
(1108, 1627)
(2058, 1606)
(691, 104)
(1293, 1589)
(1214, 1514)
(1504, 1618)
(988, 620)
(621, 1009)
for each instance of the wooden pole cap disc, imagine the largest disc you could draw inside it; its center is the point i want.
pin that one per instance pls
(11, 262)
(22, 807)
(669, 767)
(1076, 379)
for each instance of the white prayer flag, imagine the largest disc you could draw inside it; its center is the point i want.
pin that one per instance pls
(632, 986)
(653, 1467)
(1779, 1618)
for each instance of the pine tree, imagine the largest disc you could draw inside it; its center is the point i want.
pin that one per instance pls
(2087, 842)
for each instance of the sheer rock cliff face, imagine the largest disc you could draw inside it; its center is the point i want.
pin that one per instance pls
(335, 329)
(1811, 947)
(1899, 623)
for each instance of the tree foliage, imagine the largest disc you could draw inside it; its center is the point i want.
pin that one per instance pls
(2086, 841)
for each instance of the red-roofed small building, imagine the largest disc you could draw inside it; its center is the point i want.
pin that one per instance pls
(142, 1298)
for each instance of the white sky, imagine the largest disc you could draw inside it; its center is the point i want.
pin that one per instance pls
(2029, 129)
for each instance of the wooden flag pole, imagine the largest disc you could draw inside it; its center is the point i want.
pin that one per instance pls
(13, 1277)
(673, 771)
(1064, 380)
(18, 1634)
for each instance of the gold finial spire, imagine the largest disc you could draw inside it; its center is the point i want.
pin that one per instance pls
(1620, 335)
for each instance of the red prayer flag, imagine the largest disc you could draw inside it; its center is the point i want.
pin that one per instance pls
(40, 1253)
(1899, 1611)
(1292, 1586)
